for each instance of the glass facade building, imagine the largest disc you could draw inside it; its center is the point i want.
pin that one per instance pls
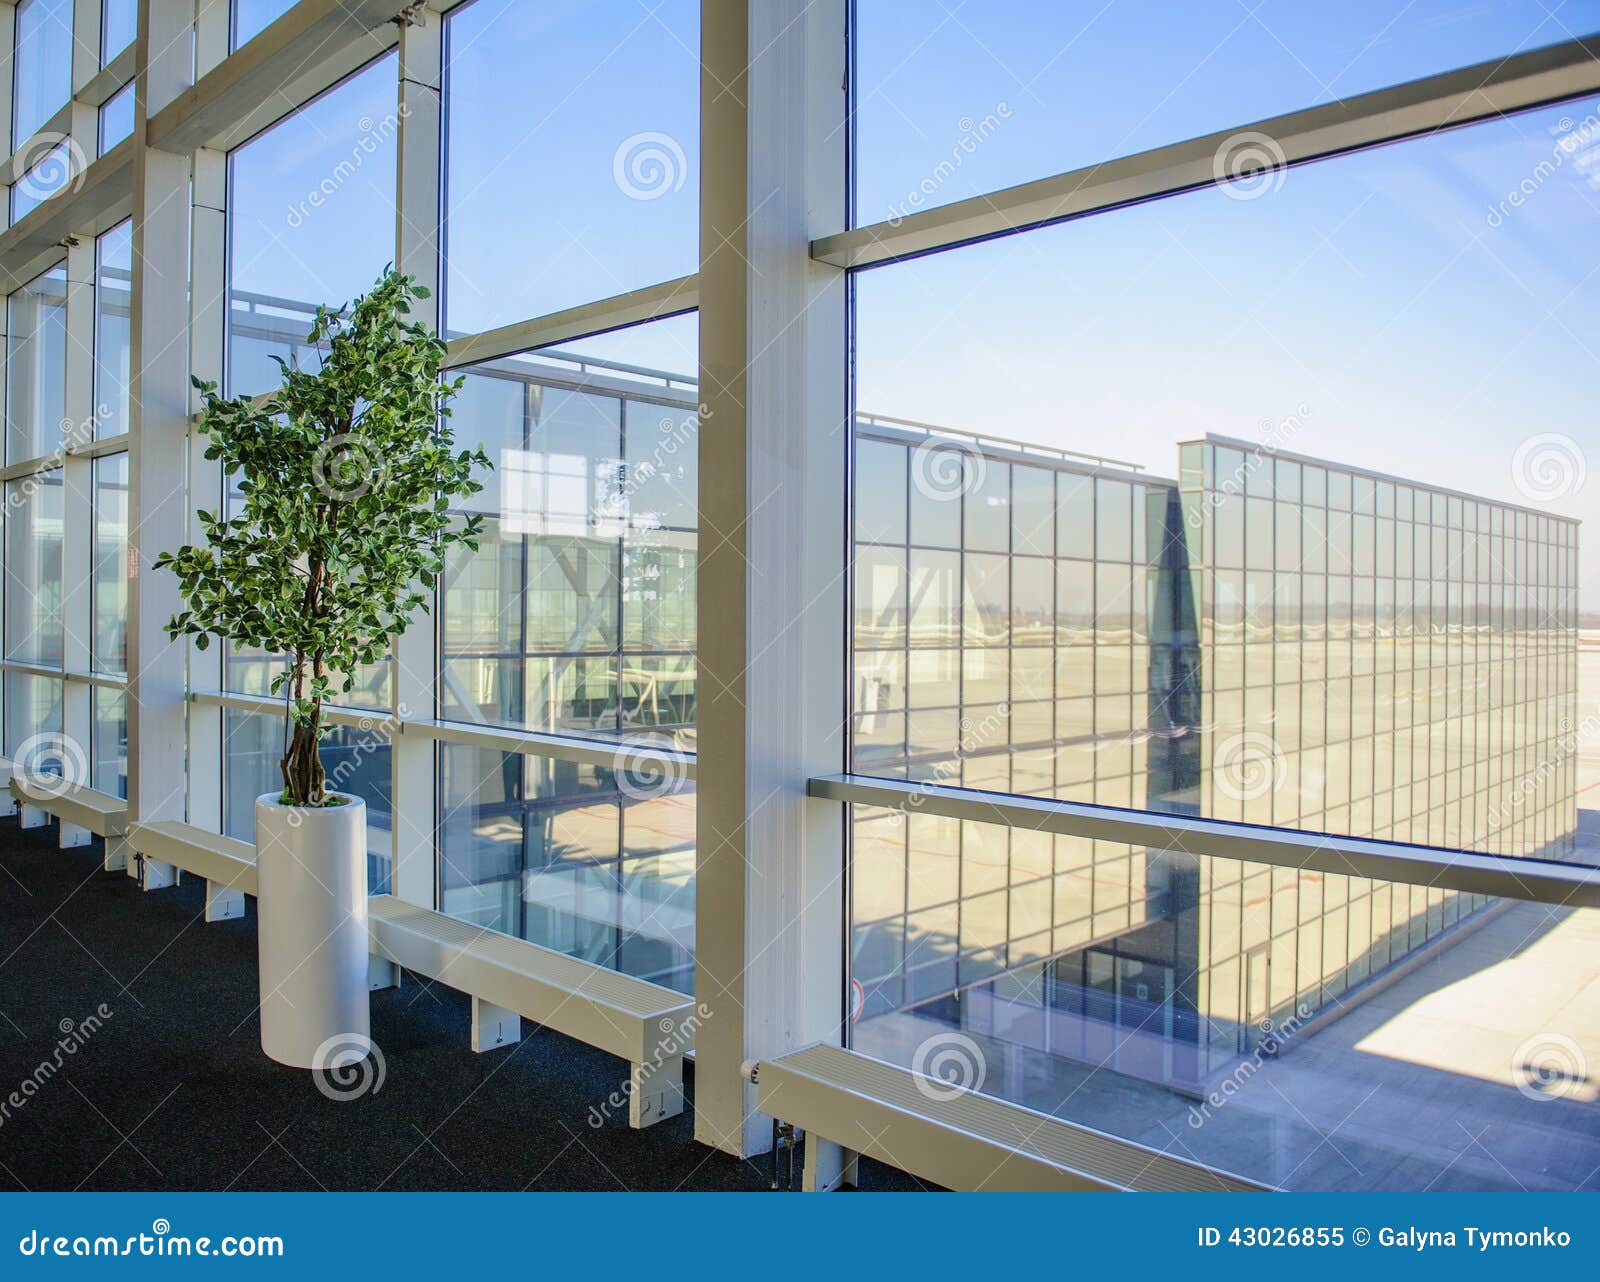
(1269, 639)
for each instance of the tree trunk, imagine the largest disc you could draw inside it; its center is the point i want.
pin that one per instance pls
(302, 767)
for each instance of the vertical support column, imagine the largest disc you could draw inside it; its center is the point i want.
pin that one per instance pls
(774, 447)
(158, 429)
(415, 662)
(208, 320)
(77, 526)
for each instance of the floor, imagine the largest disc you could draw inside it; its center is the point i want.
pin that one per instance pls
(133, 1021)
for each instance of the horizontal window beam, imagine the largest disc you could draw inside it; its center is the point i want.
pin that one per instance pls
(653, 302)
(91, 203)
(117, 444)
(314, 45)
(1497, 875)
(268, 705)
(637, 755)
(1439, 102)
(109, 680)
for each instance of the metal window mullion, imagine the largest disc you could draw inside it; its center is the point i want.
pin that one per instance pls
(1448, 100)
(416, 792)
(1205, 839)
(77, 507)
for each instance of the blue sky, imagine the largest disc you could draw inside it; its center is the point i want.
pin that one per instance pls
(1427, 327)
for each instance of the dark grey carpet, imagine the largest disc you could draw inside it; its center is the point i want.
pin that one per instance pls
(173, 1092)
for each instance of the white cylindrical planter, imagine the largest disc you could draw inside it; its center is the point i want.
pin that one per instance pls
(311, 880)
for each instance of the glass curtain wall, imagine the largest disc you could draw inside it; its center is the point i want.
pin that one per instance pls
(304, 197)
(1281, 604)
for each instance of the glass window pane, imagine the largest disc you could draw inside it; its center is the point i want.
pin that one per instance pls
(952, 104)
(113, 284)
(109, 745)
(33, 625)
(116, 118)
(355, 758)
(311, 220)
(119, 24)
(109, 634)
(602, 100)
(43, 63)
(595, 863)
(577, 612)
(252, 17)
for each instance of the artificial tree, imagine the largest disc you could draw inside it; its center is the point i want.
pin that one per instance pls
(345, 476)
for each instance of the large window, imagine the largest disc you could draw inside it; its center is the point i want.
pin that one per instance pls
(954, 104)
(1281, 602)
(119, 24)
(109, 624)
(112, 285)
(311, 219)
(577, 616)
(304, 199)
(43, 62)
(36, 367)
(596, 102)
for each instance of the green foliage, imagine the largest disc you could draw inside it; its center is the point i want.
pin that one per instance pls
(347, 473)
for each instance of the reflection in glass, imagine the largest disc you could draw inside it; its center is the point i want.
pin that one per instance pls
(109, 570)
(595, 863)
(355, 757)
(33, 630)
(113, 284)
(1254, 620)
(36, 366)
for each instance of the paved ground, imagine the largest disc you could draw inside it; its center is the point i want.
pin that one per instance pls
(1479, 1070)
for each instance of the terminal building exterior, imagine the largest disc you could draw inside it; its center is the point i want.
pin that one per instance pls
(1269, 639)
